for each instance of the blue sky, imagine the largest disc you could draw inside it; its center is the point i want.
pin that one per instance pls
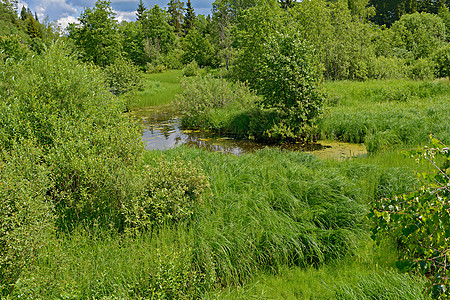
(67, 11)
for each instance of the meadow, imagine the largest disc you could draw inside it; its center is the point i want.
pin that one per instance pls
(86, 212)
(268, 225)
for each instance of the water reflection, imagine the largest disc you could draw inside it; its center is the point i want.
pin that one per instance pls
(163, 131)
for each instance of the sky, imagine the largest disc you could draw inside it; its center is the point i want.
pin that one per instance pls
(67, 11)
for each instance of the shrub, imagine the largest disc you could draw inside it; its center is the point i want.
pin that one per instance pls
(172, 277)
(123, 76)
(171, 192)
(386, 68)
(153, 68)
(25, 212)
(191, 69)
(203, 96)
(419, 222)
(288, 79)
(173, 59)
(11, 47)
(89, 145)
(442, 59)
(423, 69)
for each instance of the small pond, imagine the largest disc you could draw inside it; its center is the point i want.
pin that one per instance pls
(163, 130)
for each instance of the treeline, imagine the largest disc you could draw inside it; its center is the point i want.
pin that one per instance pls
(354, 39)
(36, 34)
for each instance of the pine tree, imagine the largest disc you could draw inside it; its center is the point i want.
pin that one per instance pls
(23, 14)
(189, 18)
(175, 9)
(32, 27)
(140, 11)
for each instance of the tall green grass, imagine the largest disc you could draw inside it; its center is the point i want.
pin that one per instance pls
(160, 89)
(387, 114)
(273, 209)
(269, 211)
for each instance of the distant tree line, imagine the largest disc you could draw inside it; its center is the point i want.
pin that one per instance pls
(353, 39)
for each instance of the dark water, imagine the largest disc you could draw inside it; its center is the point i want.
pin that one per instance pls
(163, 131)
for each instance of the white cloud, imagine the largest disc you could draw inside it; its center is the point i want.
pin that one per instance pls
(125, 16)
(64, 22)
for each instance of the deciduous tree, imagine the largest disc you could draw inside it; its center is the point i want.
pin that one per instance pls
(97, 36)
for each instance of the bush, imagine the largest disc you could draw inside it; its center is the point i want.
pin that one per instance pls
(89, 145)
(191, 69)
(288, 79)
(386, 68)
(25, 212)
(442, 59)
(204, 97)
(422, 69)
(11, 47)
(153, 68)
(123, 76)
(173, 59)
(419, 222)
(171, 192)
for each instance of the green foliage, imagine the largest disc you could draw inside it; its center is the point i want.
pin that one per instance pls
(173, 59)
(288, 78)
(134, 43)
(387, 68)
(191, 69)
(420, 34)
(251, 32)
(197, 47)
(97, 37)
(343, 42)
(123, 76)
(189, 18)
(25, 212)
(442, 59)
(175, 9)
(158, 34)
(89, 145)
(208, 102)
(171, 193)
(11, 47)
(419, 221)
(383, 114)
(154, 68)
(97, 263)
(422, 69)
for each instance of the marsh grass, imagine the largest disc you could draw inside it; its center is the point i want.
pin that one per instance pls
(160, 89)
(343, 280)
(273, 209)
(369, 274)
(279, 224)
(97, 264)
(387, 114)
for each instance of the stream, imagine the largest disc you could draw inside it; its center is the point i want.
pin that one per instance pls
(163, 130)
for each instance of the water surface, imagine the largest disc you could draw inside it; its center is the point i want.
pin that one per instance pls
(163, 130)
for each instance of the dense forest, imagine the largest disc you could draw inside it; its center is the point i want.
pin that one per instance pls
(87, 213)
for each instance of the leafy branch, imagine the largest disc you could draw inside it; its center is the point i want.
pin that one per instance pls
(419, 221)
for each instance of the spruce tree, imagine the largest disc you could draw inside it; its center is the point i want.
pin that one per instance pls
(175, 9)
(189, 18)
(140, 11)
